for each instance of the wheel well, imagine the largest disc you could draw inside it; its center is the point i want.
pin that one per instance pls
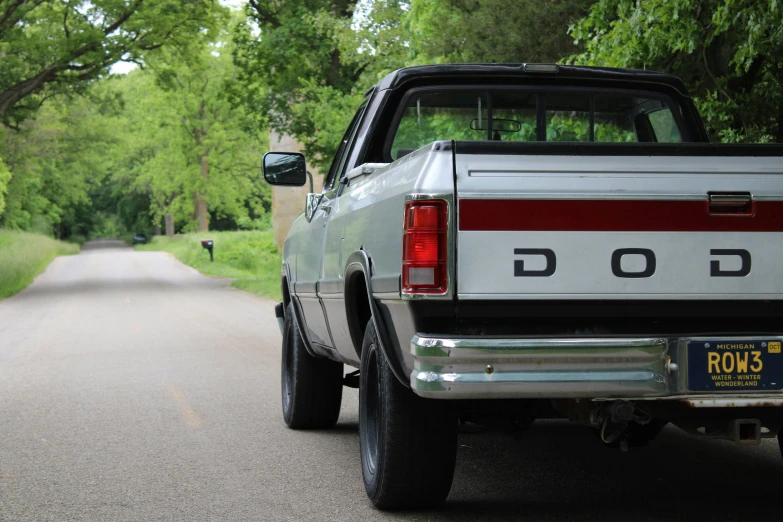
(357, 307)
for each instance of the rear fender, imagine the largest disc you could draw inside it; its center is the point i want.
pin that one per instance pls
(359, 262)
(299, 316)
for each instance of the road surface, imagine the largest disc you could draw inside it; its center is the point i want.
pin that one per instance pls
(133, 388)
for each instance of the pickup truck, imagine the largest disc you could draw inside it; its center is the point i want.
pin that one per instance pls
(500, 243)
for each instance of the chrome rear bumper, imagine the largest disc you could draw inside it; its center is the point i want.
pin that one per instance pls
(594, 368)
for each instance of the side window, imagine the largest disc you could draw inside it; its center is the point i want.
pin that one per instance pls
(343, 151)
(664, 126)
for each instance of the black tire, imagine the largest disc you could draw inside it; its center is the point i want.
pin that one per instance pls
(312, 388)
(408, 444)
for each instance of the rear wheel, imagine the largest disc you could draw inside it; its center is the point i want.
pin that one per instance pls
(408, 444)
(312, 388)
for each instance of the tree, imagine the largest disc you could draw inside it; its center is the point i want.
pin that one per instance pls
(302, 71)
(55, 159)
(308, 63)
(5, 176)
(53, 47)
(728, 52)
(475, 31)
(219, 159)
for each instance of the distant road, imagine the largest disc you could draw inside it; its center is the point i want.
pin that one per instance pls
(133, 388)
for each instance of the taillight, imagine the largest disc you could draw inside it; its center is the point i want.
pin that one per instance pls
(424, 247)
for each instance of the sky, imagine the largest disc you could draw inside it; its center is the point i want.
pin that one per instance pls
(126, 67)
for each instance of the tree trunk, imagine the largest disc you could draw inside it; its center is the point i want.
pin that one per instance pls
(157, 229)
(201, 214)
(169, 221)
(201, 199)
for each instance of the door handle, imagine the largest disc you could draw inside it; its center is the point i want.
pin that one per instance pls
(730, 203)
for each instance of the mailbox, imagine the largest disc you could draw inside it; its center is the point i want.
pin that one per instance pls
(208, 244)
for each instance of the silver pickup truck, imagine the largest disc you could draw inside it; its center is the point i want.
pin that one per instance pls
(500, 243)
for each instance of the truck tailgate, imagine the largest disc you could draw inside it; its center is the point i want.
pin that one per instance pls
(688, 224)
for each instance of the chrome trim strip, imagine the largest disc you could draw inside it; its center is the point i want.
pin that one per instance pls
(484, 368)
(386, 296)
(331, 286)
(305, 287)
(386, 284)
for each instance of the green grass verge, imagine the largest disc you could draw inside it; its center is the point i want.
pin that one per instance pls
(23, 256)
(249, 258)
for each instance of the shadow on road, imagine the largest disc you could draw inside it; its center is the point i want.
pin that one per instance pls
(558, 471)
(120, 287)
(104, 244)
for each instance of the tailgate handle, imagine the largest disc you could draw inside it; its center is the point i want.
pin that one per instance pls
(730, 203)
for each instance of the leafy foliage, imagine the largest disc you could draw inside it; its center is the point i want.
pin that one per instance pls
(53, 47)
(5, 177)
(55, 160)
(211, 159)
(305, 68)
(293, 72)
(177, 142)
(23, 256)
(470, 31)
(727, 51)
(163, 141)
(251, 259)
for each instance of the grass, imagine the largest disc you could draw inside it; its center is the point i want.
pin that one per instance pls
(249, 258)
(23, 256)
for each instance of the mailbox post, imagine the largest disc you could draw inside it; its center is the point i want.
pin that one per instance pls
(208, 244)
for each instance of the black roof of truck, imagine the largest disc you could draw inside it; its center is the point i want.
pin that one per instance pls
(508, 71)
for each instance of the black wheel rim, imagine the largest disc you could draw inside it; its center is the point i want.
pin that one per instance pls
(372, 407)
(287, 366)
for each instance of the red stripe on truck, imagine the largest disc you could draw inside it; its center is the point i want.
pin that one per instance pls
(613, 215)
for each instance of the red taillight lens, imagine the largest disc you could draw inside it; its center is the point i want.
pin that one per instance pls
(424, 254)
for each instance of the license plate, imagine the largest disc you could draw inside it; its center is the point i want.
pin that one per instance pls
(735, 365)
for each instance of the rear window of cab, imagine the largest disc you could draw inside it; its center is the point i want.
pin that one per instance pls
(524, 115)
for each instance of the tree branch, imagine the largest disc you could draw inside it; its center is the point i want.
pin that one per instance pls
(10, 18)
(263, 15)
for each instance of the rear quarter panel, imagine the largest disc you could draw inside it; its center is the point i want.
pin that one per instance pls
(369, 212)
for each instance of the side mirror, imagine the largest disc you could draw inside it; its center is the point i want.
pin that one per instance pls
(286, 169)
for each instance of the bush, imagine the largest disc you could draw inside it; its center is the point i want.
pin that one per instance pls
(41, 225)
(250, 258)
(23, 256)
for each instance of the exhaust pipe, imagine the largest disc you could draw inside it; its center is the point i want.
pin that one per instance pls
(746, 432)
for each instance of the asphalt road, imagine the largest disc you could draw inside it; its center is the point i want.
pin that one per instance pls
(133, 388)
